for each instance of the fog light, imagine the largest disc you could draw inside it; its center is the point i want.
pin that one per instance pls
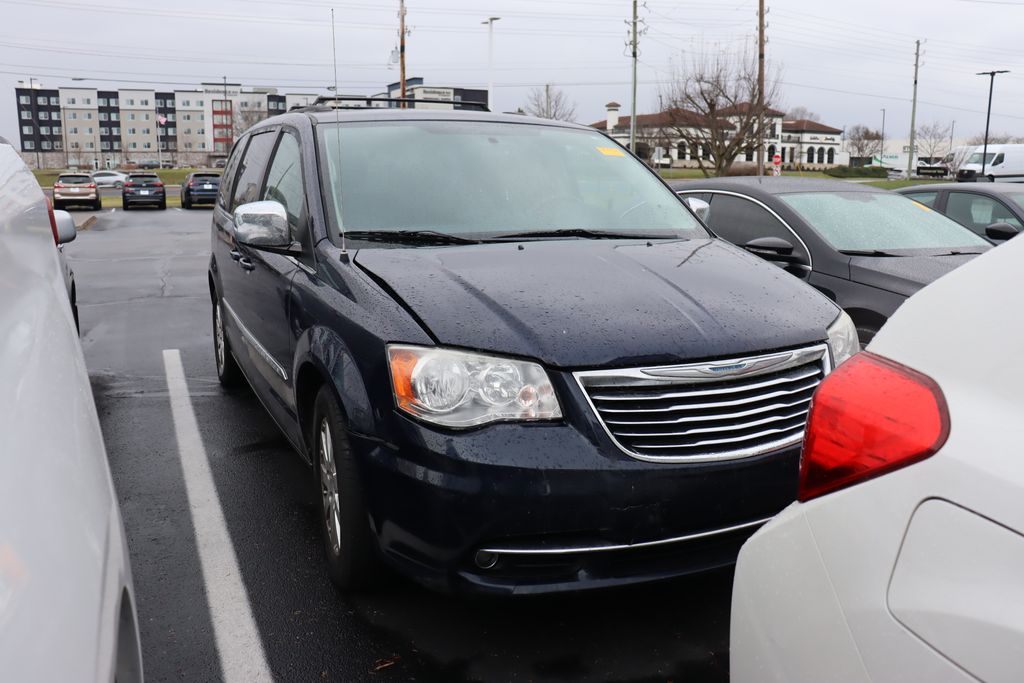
(485, 560)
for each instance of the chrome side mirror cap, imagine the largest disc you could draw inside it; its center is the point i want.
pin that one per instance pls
(699, 207)
(262, 224)
(66, 230)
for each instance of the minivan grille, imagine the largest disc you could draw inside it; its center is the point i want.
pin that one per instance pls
(708, 411)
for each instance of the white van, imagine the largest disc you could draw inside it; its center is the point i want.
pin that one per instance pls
(1003, 163)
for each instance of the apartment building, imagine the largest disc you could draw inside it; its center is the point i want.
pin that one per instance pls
(88, 128)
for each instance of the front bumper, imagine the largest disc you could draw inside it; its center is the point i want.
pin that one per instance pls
(537, 508)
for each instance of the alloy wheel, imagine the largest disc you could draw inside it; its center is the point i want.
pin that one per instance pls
(329, 487)
(218, 335)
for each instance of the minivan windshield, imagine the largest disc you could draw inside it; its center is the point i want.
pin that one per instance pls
(877, 221)
(487, 179)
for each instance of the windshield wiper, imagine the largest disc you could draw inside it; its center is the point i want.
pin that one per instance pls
(867, 252)
(957, 252)
(411, 236)
(583, 232)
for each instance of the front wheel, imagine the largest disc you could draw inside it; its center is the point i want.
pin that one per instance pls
(344, 521)
(228, 373)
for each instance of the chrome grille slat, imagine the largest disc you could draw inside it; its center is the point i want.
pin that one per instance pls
(724, 428)
(647, 396)
(809, 387)
(717, 416)
(716, 410)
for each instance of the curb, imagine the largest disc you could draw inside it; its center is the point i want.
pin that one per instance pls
(86, 224)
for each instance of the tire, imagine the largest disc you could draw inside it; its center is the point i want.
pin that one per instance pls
(865, 334)
(163, 205)
(57, 206)
(98, 205)
(126, 206)
(228, 373)
(185, 203)
(349, 547)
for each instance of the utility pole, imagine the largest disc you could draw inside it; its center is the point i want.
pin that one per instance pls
(913, 109)
(632, 110)
(760, 87)
(988, 112)
(490, 59)
(547, 101)
(401, 50)
(952, 127)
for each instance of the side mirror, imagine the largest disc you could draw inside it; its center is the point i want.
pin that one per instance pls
(262, 224)
(769, 246)
(699, 207)
(66, 231)
(1000, 231)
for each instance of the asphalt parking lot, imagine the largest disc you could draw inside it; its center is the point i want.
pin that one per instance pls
(141, 280)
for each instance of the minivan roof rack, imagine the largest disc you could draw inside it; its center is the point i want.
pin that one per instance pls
(354, 102)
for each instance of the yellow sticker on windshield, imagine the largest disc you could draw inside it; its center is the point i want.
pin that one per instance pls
(611, 151)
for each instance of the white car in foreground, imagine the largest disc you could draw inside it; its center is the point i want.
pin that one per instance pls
(66, 599)
(904, 559)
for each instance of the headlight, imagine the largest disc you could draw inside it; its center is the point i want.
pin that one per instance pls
(842, 339)
(461, 389)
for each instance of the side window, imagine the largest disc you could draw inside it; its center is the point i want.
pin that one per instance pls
(998, 160)
(251, 168)
(226, 181)
(284, 181)
(740, 220)
(978, 212)
(926, 198)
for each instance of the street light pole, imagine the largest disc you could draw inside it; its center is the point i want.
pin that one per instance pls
(490, 59)
(988, 114)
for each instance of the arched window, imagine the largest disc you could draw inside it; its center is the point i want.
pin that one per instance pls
(748, 154)
(681, 151)
(831, 155)
(771, 152)
(695, 151)
(810, 155)
(821, 155)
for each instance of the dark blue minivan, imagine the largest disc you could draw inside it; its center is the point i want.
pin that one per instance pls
(515, 361)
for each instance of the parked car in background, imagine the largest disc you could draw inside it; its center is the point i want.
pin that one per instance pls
(76, 189)
(554, 379)
(199, 188)
(109, 178)
(219, 163)
(992, 210)
(1003, 163)
(143, 189)
(902, 561)
(65, 576)
(866, 249)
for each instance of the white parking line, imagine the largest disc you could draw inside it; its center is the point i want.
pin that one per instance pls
(239, 646)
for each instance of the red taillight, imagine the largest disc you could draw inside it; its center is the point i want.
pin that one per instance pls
(129, 184)
(191, 183)
(58, 184)
(869, 417)
(53, 221)
(91, 185)
(158, 184)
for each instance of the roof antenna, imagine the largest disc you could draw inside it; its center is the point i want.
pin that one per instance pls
(337, 133)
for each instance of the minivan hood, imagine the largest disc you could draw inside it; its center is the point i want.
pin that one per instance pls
(592, 303)
(904, 274)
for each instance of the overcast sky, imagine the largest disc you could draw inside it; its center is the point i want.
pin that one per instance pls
(842, 60)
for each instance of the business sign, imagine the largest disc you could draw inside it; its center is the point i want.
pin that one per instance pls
(446, 94)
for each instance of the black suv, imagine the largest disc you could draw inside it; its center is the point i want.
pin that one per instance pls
(199, 188)
(515, 360)
(145, 189)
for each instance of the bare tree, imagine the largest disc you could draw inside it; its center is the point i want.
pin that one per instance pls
(993, 139)
(932, 139)
(802, 114)
(863, 142)
(244, 119)
(550, 103)
(712, 106)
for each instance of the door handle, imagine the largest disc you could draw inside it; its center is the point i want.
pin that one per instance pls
(235, 254)
(246, 263)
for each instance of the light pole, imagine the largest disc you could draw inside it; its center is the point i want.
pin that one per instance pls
(490, 59)
(881, 155)
(988, 114)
